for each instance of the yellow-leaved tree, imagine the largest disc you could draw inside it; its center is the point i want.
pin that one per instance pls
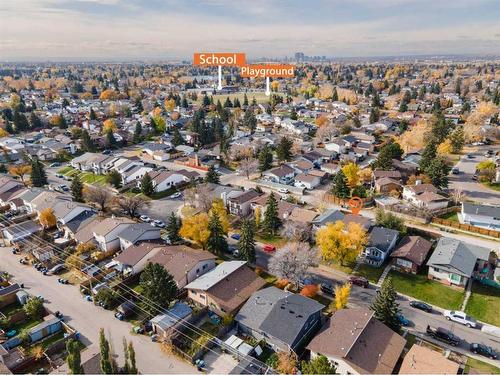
(3, 133)
(340, 243)
(20, 171)
(218, 207)
(351, 172)
(196, 229)
(109, 126)
(342, 294)
(108, 94)
(47, 218)
(445, 148)
(169, 105)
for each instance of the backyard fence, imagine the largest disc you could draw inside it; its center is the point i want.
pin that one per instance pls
(466, 227)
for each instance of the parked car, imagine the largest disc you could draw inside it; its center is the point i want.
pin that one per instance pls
(455, 170)
(327, 288)
(158, 224)
(235, 236)
(62, 281)
(484, 350)
(474, 177)
(283, 190)
(145, 218)
(404, 322)
(106, 152)
(268, 248)
(460, 317)
(359, 281)
(470, 156)
(59, 175)
(444, 335)
(55, 164)
(58, 315)
(56, 269)
(176, 195)
(421, 306)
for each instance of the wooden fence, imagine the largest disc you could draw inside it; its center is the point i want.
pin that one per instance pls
(466, 227)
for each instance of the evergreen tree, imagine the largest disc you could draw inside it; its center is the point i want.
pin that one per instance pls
(126, 364)
(265, 158)
(339, 186)
(138, 132)
(388, 152)
(157, 285)
(440, 128)
(35, 122)
(428, 155)
(20, 122)
(271, 220)
(38, 175)
(293, 114)
(457, 139)
(147, 187)
(246, 244)
(206, 100)
(87, 143)
(318, 365)
(131, 356)
(212, 175)
(62, 123)
(8, 127)
(284, 149)
(110, 140)
(385, 306)
(77, 188)
(249, 120)
(227, 103)
(184, 102)
(173, 228)
(245, 100)
(216, 243)
(105, 363)
(438, 170)
(335, 95)
(73, 359)
(374, 115)
(114, 178)
(177, 137)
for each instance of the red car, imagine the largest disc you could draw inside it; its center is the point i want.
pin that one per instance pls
(359, 281)
(269, 248)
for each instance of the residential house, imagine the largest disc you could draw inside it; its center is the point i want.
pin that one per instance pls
(284, 208)
(167, 324)
(106, 233)
(386, 185)
(240, 205)
(163, 180)
(480, 215)
(410, 192)
(330, 215)
(284, 320)
(225, 288)
(314, 157)
(454, 262)
(381, 242)
(422, 360)
(134, 233)
(20, 231)
(338, 145)
(43, 254)
(411, 253)
(355, 342)
(307, 181)
(283, 174)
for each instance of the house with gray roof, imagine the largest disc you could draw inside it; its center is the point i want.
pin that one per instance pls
(286, 321)
(328, 216)
(454, 262)
(134, 233)
(381, 242)
(480, 215)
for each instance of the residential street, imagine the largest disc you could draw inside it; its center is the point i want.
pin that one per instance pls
(419, 319)
(463, 181)
(87, 318)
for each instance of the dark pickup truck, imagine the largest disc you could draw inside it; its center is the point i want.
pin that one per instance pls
(443, 335)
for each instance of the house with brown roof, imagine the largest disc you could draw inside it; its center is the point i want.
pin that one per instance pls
(423, 360)
(240, 205)
(385, 185)
(357, 343)
(411, 253)
(283, 174)
(225, 288)
(410, 192)
(284, 208)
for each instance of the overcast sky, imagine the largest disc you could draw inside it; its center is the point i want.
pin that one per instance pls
(174, 29)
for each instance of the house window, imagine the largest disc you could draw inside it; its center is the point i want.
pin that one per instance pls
(455, 277)
(204, 266)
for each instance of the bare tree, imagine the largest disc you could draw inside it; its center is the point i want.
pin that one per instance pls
(292, 261)
(457, 196)
(131, 205)
(199, 197)
(248, 166)
(99, 195)
(296, 231)
(326, 133)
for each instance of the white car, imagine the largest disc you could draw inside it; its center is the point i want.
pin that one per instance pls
(176, 195)
(145, 218)
(158, 223)
(460, 317)
(283, 190)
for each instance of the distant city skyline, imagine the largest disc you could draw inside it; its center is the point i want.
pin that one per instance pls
(125, 30)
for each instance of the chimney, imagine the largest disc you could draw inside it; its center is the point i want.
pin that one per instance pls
(418, 182)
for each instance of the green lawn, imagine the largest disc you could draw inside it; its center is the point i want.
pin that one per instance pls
(371, 273)
(480, 367)
(273, 240)
(92, 178)
(433, 292)
(260, 97)
(494, 186)
(346, 268)
(484, 304)
(450, 216)
(65, 170)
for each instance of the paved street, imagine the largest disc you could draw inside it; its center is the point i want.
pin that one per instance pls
(88, 318)
(463, 181)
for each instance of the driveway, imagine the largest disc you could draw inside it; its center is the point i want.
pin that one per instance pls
(474, 190)
(87, 318)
